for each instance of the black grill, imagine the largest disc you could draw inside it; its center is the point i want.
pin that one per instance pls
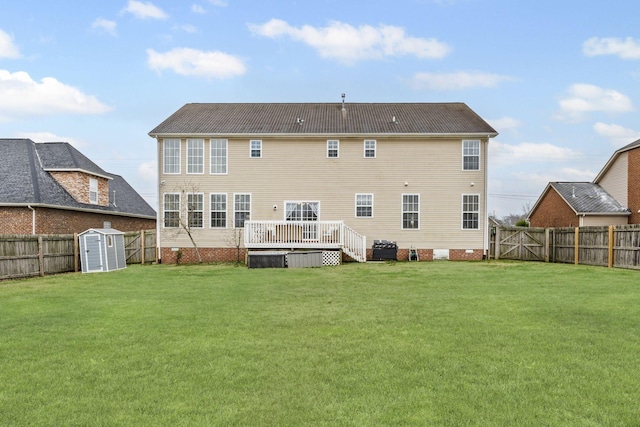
(384, 250)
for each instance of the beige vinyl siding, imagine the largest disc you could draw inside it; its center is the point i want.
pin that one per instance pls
(602, 220)
(615, 180)
(298, 169)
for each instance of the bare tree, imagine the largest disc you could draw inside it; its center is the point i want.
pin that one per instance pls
(193, 217)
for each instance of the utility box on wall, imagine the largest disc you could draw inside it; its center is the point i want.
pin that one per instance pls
(102, 249)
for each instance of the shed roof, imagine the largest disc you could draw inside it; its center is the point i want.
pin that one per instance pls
(323, 118)
(102, 231)
(25, 179)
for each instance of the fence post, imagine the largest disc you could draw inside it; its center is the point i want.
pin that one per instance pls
(611, 246)
(40, 257)
(546, 245)
(576, 245)
(76, 252)
(142, 237)
(497, 243)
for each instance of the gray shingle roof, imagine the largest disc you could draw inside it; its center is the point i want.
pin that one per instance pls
(24, 178)
(588, 198)
(324, 118)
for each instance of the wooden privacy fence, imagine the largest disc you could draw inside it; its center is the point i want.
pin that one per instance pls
(38, 255)
(612, 246)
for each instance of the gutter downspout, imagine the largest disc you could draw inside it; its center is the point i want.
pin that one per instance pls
(485, 238)
(33, 220)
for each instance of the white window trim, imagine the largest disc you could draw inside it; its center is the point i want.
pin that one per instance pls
(234, 207)
(186, 207)
(259, 149)
(375, 148)
(226, 211)
(226, 159)
(337, 149)
(462, 211)
(402, 212)
(93, 188)
(164, 210)
(356, 205)
(479, 153)
(201, 143)
(164, 154)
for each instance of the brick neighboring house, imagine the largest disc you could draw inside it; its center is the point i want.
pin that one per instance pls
(613, 198)
(52, 188)
(576, 204)
(325, 176)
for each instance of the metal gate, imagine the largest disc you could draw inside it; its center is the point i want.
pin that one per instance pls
(526, 244)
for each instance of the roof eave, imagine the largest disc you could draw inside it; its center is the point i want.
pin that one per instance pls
(78, 209)
(76, 170)
(328, 134)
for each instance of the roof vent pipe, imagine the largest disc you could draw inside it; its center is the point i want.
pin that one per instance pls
(343, 109)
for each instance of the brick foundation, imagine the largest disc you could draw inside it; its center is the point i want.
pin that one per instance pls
(189, 256)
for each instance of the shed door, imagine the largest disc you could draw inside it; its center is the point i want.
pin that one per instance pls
(92, 256)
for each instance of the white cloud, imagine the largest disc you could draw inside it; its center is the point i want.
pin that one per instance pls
(505, 124)
(349, 44)
(192, 62)
(628, 48)
(105, 25)
(508, 155)
(586, 98)
(219, 3)
(618, 136)
(187, 28)
(51, 137)
(7, 48)
(144, 10)
(457, 81)
(148, 171)
(22, 96)
(196, 8)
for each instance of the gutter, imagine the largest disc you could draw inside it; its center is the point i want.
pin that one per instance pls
(69, 208)
(323, 135)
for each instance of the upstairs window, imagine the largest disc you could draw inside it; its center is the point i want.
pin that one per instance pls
(470, 211)
(410, 211)
(171, 210)
(171, 156)
(195, 210)
(471, 155)
(219, 156)
(218, 210)
(369, 148)
(333, 148)
(241, 209)
(256, 148)
(195, 156)
(93, 191)
(364, 205)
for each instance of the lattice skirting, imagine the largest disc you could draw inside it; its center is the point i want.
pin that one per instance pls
(331, 257)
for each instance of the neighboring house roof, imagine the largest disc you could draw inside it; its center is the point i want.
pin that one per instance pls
(324, 118)
(585, 198)
(24, 167)
(62, 156)
(634, 144)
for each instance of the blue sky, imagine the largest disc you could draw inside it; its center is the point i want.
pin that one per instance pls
(560, 81)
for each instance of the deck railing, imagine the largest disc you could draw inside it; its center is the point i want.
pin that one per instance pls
(304, 235)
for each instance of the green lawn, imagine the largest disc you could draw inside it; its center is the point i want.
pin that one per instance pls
(434, 343)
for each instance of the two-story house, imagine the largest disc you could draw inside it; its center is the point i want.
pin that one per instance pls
(52, 188)
(331, 176)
